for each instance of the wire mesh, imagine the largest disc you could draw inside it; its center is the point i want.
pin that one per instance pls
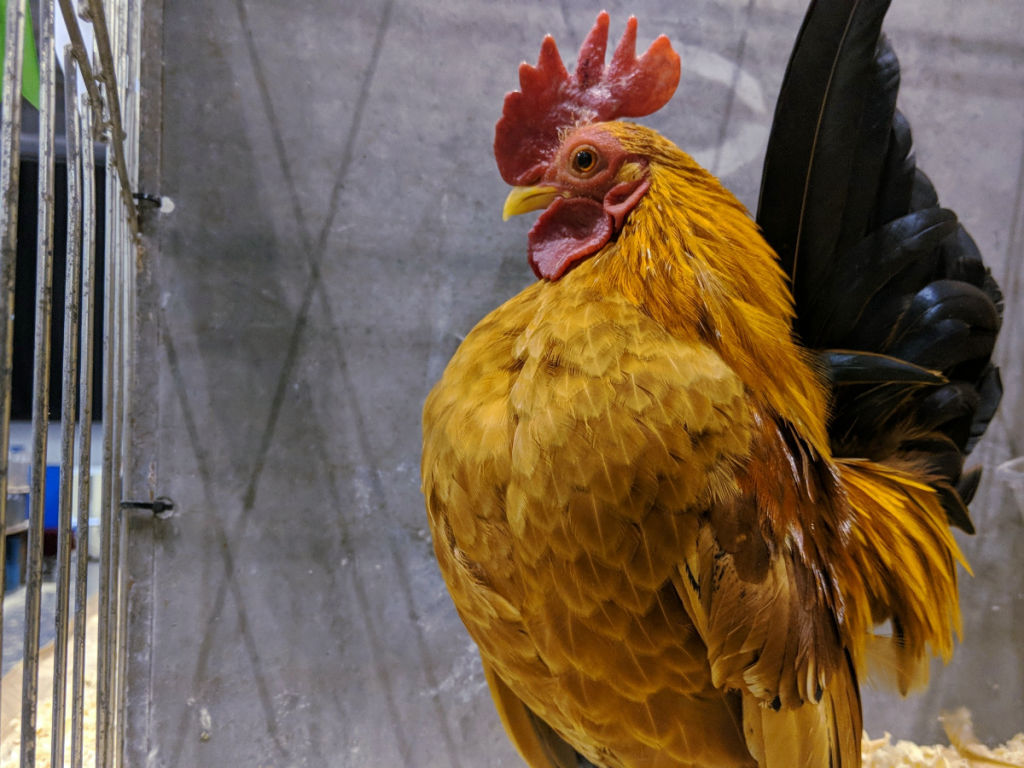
(100, 106)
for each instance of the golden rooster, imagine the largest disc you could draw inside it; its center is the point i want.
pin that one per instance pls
(676, 484)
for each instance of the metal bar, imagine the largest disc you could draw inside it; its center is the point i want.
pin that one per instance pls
(108, 498)
(82, 57)
(111, 493)
(85, 394)
(122, 250)
(117, 134)
(41, 380)
(128, 80)
(109, 77)
(68, 379)
(119, 87)
(10, 166)
(140, 479)
(121, 648)
(116, 513)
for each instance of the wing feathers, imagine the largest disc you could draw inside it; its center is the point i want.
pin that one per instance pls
(826, 733)
(537, 742)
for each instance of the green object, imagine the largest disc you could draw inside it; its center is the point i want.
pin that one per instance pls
(29, 61)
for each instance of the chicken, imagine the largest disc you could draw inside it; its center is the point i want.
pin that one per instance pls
(676, 484)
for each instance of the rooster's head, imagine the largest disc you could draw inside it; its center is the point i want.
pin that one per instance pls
(554, 146)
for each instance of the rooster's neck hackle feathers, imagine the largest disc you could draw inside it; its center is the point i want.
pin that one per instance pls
(691, 257)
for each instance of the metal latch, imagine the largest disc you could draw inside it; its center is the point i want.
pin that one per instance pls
(161, 506)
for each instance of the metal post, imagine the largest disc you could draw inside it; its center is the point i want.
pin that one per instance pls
(41, 380)
(108, 493)
(68, 379)
(128, 16)
(85, 430)
(10, 157)
(116, 513)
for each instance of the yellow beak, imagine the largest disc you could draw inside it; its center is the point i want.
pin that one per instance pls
(525, 199)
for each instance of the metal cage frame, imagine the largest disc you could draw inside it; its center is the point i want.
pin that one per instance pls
(108, 113)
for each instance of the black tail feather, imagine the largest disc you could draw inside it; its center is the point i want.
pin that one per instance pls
(887, 284)
(896, 185)
(816, 134)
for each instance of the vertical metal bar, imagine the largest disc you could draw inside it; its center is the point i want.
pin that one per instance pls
(10, 157)
(116, 513)
(120, 649)
(122, 250)
(41, 380)
(85, 394)
(133, 76)
(137, 475)
(109, 410)
(106, 523)
(141, 478)
(113, 28)
(128, 81)
(69, 380)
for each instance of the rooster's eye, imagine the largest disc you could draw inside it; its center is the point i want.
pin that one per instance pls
(584, 160)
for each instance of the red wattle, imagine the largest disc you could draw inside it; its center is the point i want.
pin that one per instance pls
(566, 233)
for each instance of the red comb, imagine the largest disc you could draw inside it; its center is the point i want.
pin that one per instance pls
(550, 100)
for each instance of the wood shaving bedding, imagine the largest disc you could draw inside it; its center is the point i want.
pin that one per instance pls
(964, 750)
(10, 703)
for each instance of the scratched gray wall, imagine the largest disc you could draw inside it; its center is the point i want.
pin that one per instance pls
(335, 230)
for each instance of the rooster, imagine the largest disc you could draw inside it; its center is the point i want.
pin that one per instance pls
(676, 485)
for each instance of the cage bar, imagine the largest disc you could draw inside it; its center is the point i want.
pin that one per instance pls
(88, 322)
(127, 13)
(41, 381)
(10, 165)
(68, 379)
(109, 498)
(97, 115)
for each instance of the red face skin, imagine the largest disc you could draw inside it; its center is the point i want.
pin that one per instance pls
(593, 204)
